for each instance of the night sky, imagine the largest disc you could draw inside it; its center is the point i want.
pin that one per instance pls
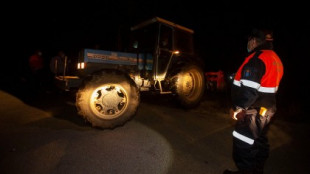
(220, 29)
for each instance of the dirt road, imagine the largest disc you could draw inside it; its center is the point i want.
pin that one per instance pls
(43, 134)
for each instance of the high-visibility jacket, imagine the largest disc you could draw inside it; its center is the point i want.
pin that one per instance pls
(257, 80)
(36, 63)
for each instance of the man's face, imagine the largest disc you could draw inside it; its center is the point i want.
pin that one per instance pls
(251, 44)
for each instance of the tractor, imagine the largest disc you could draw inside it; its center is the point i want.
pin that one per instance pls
(160, 58)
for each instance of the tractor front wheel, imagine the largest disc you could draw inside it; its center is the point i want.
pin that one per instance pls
(108, 100)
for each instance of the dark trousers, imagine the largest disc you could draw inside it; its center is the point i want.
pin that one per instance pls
(250, 142)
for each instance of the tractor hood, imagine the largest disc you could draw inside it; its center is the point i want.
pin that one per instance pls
(113, 57)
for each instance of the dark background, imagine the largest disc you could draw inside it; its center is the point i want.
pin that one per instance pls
(220, 29)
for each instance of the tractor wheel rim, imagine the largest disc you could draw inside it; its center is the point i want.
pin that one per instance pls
(109, 101)
(188, 84)
(192, 84)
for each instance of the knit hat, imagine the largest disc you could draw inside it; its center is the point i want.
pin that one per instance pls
(263, 35)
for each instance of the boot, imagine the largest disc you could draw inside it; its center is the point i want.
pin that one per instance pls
(231, 172)
(237, 172)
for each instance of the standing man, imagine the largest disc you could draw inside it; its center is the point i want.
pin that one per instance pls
(254, 103)
(57, 63)
(36, 64)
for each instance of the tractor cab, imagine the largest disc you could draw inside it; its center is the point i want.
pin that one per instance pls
(165, 41)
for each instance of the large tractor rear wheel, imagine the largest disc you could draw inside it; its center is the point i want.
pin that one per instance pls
(108, 99)
(189, 85)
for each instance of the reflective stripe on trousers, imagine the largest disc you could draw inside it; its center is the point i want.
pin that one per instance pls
(243, 138)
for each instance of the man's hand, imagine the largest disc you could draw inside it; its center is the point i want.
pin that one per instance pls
(236, 114)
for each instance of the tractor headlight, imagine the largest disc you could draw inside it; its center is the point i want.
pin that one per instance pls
(81, 65)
